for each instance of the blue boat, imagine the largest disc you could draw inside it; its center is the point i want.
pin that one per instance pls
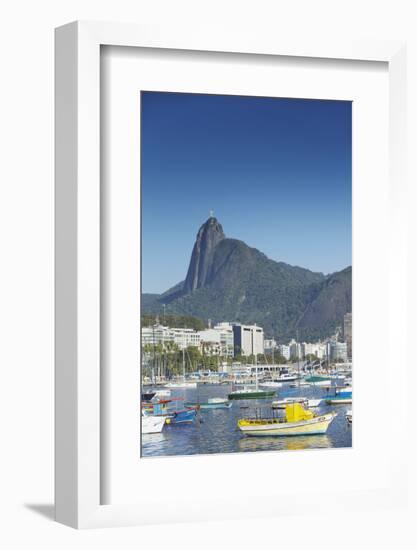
(185, 416)
(343, 397)
(173, 415)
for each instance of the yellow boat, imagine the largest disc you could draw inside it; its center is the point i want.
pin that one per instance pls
(297, 421)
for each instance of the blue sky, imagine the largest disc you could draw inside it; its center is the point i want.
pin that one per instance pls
(276, 172)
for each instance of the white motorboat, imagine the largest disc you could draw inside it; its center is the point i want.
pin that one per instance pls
(288, 377)
(270, 384)
(152, 424)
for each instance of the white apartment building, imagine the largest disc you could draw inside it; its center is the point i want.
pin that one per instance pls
(210, 341)
(157, 334)
(338, 351)
(296, 351)
(226, 338)
(270, 344)
(186, 337)
(316, 348)
(284, 351)
(248, 339)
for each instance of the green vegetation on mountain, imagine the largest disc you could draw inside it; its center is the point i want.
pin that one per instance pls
(240, 284)
(171, 320)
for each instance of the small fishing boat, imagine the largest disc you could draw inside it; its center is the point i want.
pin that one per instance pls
(252, 393)
(282, 403)
(349, 416)
(341, 398)
(212, 403)
(297, 421)
(185, 416)
(163, 408)
(288, 377)
(152, 424)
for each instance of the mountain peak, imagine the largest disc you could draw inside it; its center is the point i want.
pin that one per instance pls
(208, 237)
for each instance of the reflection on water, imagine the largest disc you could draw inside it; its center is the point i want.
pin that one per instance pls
(215, 431)
(290, 443)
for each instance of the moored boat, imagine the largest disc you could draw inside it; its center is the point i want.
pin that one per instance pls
(212, 403)
(349, 416)
(251, 393)
(185, 416)
(163, 408)
(341, 398)
(288, 377)
(297, 421)
(152, 424)
(282, 403)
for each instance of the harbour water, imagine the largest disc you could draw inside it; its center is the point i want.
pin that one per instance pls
(215, 431)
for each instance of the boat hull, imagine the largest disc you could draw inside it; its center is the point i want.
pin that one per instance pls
(206, 406)
(341, 401)
(275, 428)
(251, 395)
(182, 417)
(152, 424)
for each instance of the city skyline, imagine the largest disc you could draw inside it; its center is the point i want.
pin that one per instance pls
(275, 172)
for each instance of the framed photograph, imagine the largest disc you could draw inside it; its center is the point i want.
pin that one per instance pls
(240, 351)
(223, 210)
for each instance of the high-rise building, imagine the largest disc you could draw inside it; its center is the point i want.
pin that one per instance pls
(338, 351)
(248, 339)
(284, 351)
(347, 333)
(296, 351)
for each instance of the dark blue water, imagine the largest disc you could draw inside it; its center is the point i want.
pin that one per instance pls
(215, 431)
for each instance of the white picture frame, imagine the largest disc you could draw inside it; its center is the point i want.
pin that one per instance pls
(78, 258)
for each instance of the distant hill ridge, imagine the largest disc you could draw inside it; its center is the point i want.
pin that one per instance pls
(229, 281)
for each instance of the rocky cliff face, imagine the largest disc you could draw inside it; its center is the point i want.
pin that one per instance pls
(229, 281)
(208, 237)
